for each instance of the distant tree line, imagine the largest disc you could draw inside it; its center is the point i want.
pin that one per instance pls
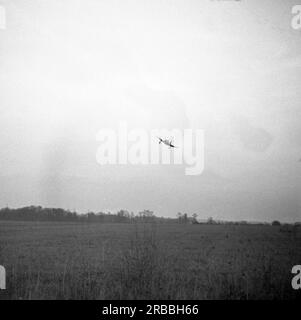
(193, 219)
(38, 213)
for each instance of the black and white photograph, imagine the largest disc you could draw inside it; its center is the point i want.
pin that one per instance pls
(150, 150)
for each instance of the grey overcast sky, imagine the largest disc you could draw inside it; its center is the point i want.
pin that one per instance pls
(232, 68)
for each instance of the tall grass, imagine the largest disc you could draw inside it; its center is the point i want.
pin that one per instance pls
(147, 261)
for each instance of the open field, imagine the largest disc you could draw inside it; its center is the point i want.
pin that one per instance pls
(50, 260)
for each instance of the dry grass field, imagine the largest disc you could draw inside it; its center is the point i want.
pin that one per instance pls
(50, 260)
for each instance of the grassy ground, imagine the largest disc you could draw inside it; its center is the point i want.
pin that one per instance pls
(148, 261)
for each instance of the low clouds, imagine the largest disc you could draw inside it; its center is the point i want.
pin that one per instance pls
(253, 138)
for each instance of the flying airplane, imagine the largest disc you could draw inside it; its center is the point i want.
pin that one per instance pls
(167, 142)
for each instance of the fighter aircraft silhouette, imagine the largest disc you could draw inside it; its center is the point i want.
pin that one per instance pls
(167, 142)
